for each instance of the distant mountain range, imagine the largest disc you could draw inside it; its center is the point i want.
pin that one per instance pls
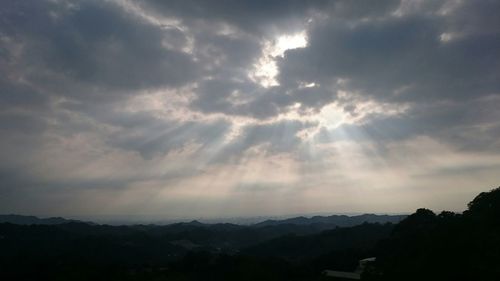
(422, 246)
(294, 238)
(336, 220)
(320, 222)
(29, 220)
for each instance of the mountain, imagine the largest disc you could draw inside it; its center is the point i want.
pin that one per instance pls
(296, 247)
(32, 220)
(184, 251)
(335, 220)
(423, 246)
(178, 237)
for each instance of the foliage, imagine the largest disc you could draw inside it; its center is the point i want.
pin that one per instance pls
(447, 246)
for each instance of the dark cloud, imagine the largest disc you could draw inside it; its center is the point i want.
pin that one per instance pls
(91, 49)
(361, 9)
(20, 95)
(225, 55)
(392, 51)
(397, 59)
(260, 17)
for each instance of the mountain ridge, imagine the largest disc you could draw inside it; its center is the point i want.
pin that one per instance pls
(34, 220)
(335, 220)
(325, 221)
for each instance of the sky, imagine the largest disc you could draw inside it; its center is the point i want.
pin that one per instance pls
(204, 108)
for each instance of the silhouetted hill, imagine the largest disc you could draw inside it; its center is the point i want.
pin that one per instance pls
(423, 246)
(363, 237)
(336, 220)
(103, 252)
(28, 220)
(79, 248)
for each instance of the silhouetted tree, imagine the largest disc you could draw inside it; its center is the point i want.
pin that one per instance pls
(444, 247)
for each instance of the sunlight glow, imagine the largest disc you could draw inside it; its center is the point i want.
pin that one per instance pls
(331, 116)
(265, 69)
(289, 42)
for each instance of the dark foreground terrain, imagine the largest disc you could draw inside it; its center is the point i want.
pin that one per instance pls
(423, 246)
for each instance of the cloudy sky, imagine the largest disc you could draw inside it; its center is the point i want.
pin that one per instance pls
(196, 108)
